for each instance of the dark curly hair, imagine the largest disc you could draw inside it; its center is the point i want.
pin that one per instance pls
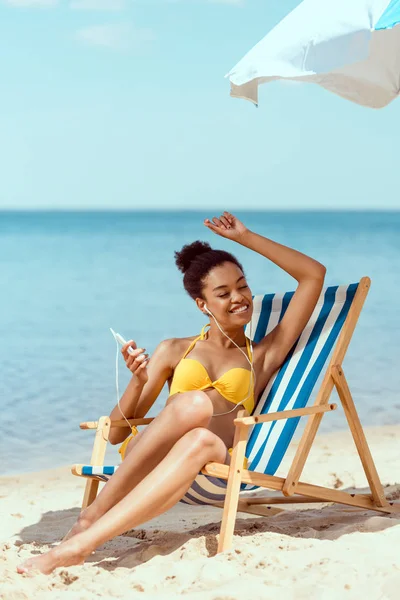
(196, 260)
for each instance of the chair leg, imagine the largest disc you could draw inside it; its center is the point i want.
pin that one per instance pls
(91, 489)
(233, 487)
(359, 436)
(97, 459)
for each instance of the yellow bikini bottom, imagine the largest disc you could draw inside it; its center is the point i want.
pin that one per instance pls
(122, 448)
(135, 431)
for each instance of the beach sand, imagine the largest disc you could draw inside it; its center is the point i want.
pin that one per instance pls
(309, 551)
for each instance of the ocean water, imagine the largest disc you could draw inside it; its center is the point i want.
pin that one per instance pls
(68, 277)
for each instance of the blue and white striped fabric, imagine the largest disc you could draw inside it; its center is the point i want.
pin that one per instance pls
(349, 47)
(289, 388)
(104, 473)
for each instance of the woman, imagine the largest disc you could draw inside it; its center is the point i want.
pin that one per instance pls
(206, 390)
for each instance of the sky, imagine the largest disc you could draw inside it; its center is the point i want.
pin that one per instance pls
(123, 104)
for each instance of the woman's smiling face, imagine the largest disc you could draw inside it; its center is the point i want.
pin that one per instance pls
(227, 295)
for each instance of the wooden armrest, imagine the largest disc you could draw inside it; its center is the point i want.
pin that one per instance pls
(284, 414)
(120, 423)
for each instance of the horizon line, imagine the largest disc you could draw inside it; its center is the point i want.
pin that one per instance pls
(196, 210)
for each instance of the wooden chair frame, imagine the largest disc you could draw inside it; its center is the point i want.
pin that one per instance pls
(292, 488)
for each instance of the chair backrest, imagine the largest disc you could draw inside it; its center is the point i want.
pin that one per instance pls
(292, 384)
(289, 388)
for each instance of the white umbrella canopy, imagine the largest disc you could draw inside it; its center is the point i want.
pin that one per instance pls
(349, 47)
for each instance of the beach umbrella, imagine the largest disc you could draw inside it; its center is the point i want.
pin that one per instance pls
(349, 47)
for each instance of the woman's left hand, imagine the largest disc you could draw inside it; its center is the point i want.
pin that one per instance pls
(227, 225)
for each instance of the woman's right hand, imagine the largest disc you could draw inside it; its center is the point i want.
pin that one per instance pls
(136, 362)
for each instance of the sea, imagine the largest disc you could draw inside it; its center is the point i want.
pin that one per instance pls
(67, 277)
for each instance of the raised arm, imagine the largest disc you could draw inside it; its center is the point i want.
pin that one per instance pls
(143, 389)
(308, 272)
(310, 275)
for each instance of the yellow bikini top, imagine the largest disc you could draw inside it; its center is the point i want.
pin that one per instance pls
(233, 385)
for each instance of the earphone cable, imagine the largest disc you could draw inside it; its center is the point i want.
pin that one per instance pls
(252, 374)
(117, 387)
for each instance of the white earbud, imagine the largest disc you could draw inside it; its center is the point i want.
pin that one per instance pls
(206, 309)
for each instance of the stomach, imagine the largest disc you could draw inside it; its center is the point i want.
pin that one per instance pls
(221, 425)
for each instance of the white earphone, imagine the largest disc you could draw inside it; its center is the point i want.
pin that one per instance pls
(253, 375)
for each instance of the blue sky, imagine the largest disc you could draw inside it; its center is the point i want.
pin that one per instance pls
(124, 104)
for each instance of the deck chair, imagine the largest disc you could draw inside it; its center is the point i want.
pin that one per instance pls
(264, 436)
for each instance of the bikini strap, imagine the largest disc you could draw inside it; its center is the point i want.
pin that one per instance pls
(248, 348)
(199, 337)
(203, 333)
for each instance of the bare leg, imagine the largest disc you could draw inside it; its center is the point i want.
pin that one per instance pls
(182, 413)
(156, 493)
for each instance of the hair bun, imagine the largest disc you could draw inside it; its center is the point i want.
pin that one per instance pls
(187, 255)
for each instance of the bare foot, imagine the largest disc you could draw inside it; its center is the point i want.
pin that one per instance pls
(66, 554)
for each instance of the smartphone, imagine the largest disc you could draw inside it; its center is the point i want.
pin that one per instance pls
(121, 341)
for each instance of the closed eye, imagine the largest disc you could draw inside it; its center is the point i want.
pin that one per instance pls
(243, 287)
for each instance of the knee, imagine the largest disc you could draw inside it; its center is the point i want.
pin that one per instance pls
(200, 442)
(193, 407)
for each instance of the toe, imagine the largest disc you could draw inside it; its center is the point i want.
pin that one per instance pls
(25, 567)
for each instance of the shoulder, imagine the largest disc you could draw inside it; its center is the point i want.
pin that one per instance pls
(172, 349)
(173, 344)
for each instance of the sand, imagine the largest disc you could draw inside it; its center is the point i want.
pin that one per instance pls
(309, 551)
